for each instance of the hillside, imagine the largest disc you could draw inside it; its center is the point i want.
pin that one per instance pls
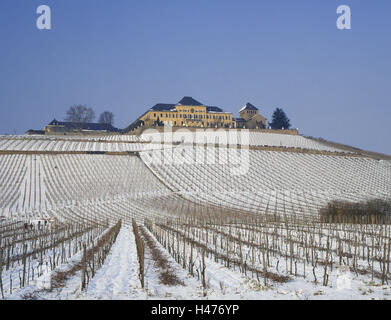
(375, 155)
(234, 220)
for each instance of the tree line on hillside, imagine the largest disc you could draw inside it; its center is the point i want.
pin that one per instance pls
(84, 114)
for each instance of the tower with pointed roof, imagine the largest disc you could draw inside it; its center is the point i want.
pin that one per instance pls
(248, 111)
(250, 118)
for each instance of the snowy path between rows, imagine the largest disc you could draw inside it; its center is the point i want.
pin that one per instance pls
(118, 277)
(190, 289)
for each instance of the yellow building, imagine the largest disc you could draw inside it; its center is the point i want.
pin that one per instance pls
(188, 112)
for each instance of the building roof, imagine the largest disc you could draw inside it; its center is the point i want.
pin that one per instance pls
(32, 131)
(85, 126)
(163, 107)
(213, 109)
(186, 101)
(248, 106)
(189, 101)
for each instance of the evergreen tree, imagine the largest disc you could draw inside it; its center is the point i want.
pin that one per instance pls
(279, 120)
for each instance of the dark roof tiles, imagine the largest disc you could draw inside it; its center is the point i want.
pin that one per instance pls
(248, 106)
(213, 109)
(163, 107)
(185, 101)
(189, 101)
(85, 126)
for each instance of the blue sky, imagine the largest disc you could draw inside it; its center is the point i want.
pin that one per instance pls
(127, 55)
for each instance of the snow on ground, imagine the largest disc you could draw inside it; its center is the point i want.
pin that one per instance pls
(101, 187)
(118, 277)
(190, 289)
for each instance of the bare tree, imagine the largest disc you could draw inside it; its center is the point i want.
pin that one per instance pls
(80, 114)
(107, 117)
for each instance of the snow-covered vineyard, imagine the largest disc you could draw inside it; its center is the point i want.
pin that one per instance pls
(68, 144)
(268, 181)
(242, 137)
(147, 141)
(188, 221)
